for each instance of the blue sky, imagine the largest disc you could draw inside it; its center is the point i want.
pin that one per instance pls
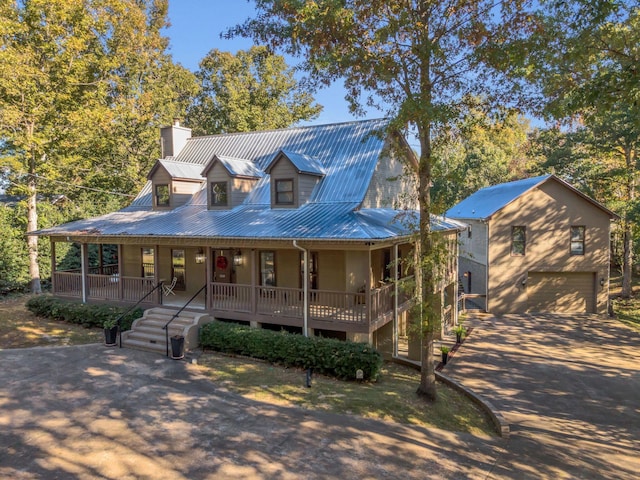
(195, 29)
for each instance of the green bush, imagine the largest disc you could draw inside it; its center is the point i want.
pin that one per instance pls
(88, 315)
(332, 357)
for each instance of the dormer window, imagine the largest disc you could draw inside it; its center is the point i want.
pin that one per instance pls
(294, 177)
(218, 194)
(284, 192)
(162, 195)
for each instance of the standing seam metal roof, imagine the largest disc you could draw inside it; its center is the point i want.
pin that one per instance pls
(347, 153)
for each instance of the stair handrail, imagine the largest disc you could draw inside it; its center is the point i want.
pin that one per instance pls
(177, 314)
(119, 320)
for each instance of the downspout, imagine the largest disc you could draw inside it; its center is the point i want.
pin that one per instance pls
(305, 287)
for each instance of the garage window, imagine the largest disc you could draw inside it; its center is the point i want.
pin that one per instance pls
(518, 240)
(577, 240)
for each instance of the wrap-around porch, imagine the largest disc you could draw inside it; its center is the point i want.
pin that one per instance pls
(257, 301)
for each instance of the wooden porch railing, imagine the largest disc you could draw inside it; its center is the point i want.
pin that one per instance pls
(348, 307)
(103, 287)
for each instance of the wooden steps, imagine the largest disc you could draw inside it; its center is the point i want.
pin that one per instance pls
(147, 332)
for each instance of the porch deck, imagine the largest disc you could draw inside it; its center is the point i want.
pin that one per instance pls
(344, 311)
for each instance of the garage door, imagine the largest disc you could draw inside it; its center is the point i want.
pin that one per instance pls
(561, 292)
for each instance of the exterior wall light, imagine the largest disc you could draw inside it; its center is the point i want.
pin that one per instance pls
(200, 256)
(602, 282)
(237, 259)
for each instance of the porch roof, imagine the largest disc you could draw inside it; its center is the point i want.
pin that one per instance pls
(329, 222)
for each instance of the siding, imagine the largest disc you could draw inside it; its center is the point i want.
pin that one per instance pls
(389, 185)
(547, 212)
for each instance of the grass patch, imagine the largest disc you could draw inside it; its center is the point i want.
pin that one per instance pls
(392, 398)
(19, 328)
(627, 310)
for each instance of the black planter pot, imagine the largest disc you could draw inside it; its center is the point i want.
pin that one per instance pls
(445, 357)
(111, 336)
(458, 338)
(177, 347)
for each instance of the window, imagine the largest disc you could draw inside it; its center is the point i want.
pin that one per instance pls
(284, 192)
(148, 263)
(268, 269)
(162, 195)
(577, 240)
(518, 240)
(218, 194)
(469, 232)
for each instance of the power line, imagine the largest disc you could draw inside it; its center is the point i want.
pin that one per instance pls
(99, 190)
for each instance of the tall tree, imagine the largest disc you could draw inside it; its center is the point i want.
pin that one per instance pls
(72, 73)
(479, 150)
(251, 90)
(587, 62)
(418, 57)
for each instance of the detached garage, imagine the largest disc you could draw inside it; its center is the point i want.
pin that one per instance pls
(535, 245)
(561, 292)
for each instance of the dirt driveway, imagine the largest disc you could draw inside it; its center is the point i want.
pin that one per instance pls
(92, 412)
(569, 386)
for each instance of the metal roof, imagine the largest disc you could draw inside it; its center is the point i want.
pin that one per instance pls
(303, 163)
(336, 222)
(346, 153)
(178, 169)
(239, 167)
(487, 201)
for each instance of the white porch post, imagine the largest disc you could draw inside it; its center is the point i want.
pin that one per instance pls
(395, 300)
(254, 273)
(84, 269)
(53, 265)
(120, 273)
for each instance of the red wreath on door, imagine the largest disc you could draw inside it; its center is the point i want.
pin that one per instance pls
(221, 262)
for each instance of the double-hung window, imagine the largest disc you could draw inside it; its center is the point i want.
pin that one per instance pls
(518, 241)
(219, 194)
(284, 192)
(162, 195)
(577, 240)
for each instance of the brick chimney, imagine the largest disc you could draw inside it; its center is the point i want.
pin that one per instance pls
(173, 139)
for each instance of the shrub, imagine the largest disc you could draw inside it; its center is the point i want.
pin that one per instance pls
(332, 357)
(88, 315)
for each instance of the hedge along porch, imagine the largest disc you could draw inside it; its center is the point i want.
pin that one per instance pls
(237, 213)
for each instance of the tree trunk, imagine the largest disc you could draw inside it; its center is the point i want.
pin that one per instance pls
(32, 224)
(428, 316)
(627, 257)
(627, 261)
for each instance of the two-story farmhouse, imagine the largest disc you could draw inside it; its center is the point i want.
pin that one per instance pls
(535, 245)
(235, 215)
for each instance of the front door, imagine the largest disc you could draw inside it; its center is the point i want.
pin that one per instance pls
(222, 266)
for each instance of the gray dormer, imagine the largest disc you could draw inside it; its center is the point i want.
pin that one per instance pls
(293, 178)
(229, 181)
(174, 183)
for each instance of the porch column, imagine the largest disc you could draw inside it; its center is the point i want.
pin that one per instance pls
(156, 271)
(120, 273)
(367, 290)
(84, 271)
(100, 259)
(254, 273)
(395, 300)
(53, 265)
(208, 276)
